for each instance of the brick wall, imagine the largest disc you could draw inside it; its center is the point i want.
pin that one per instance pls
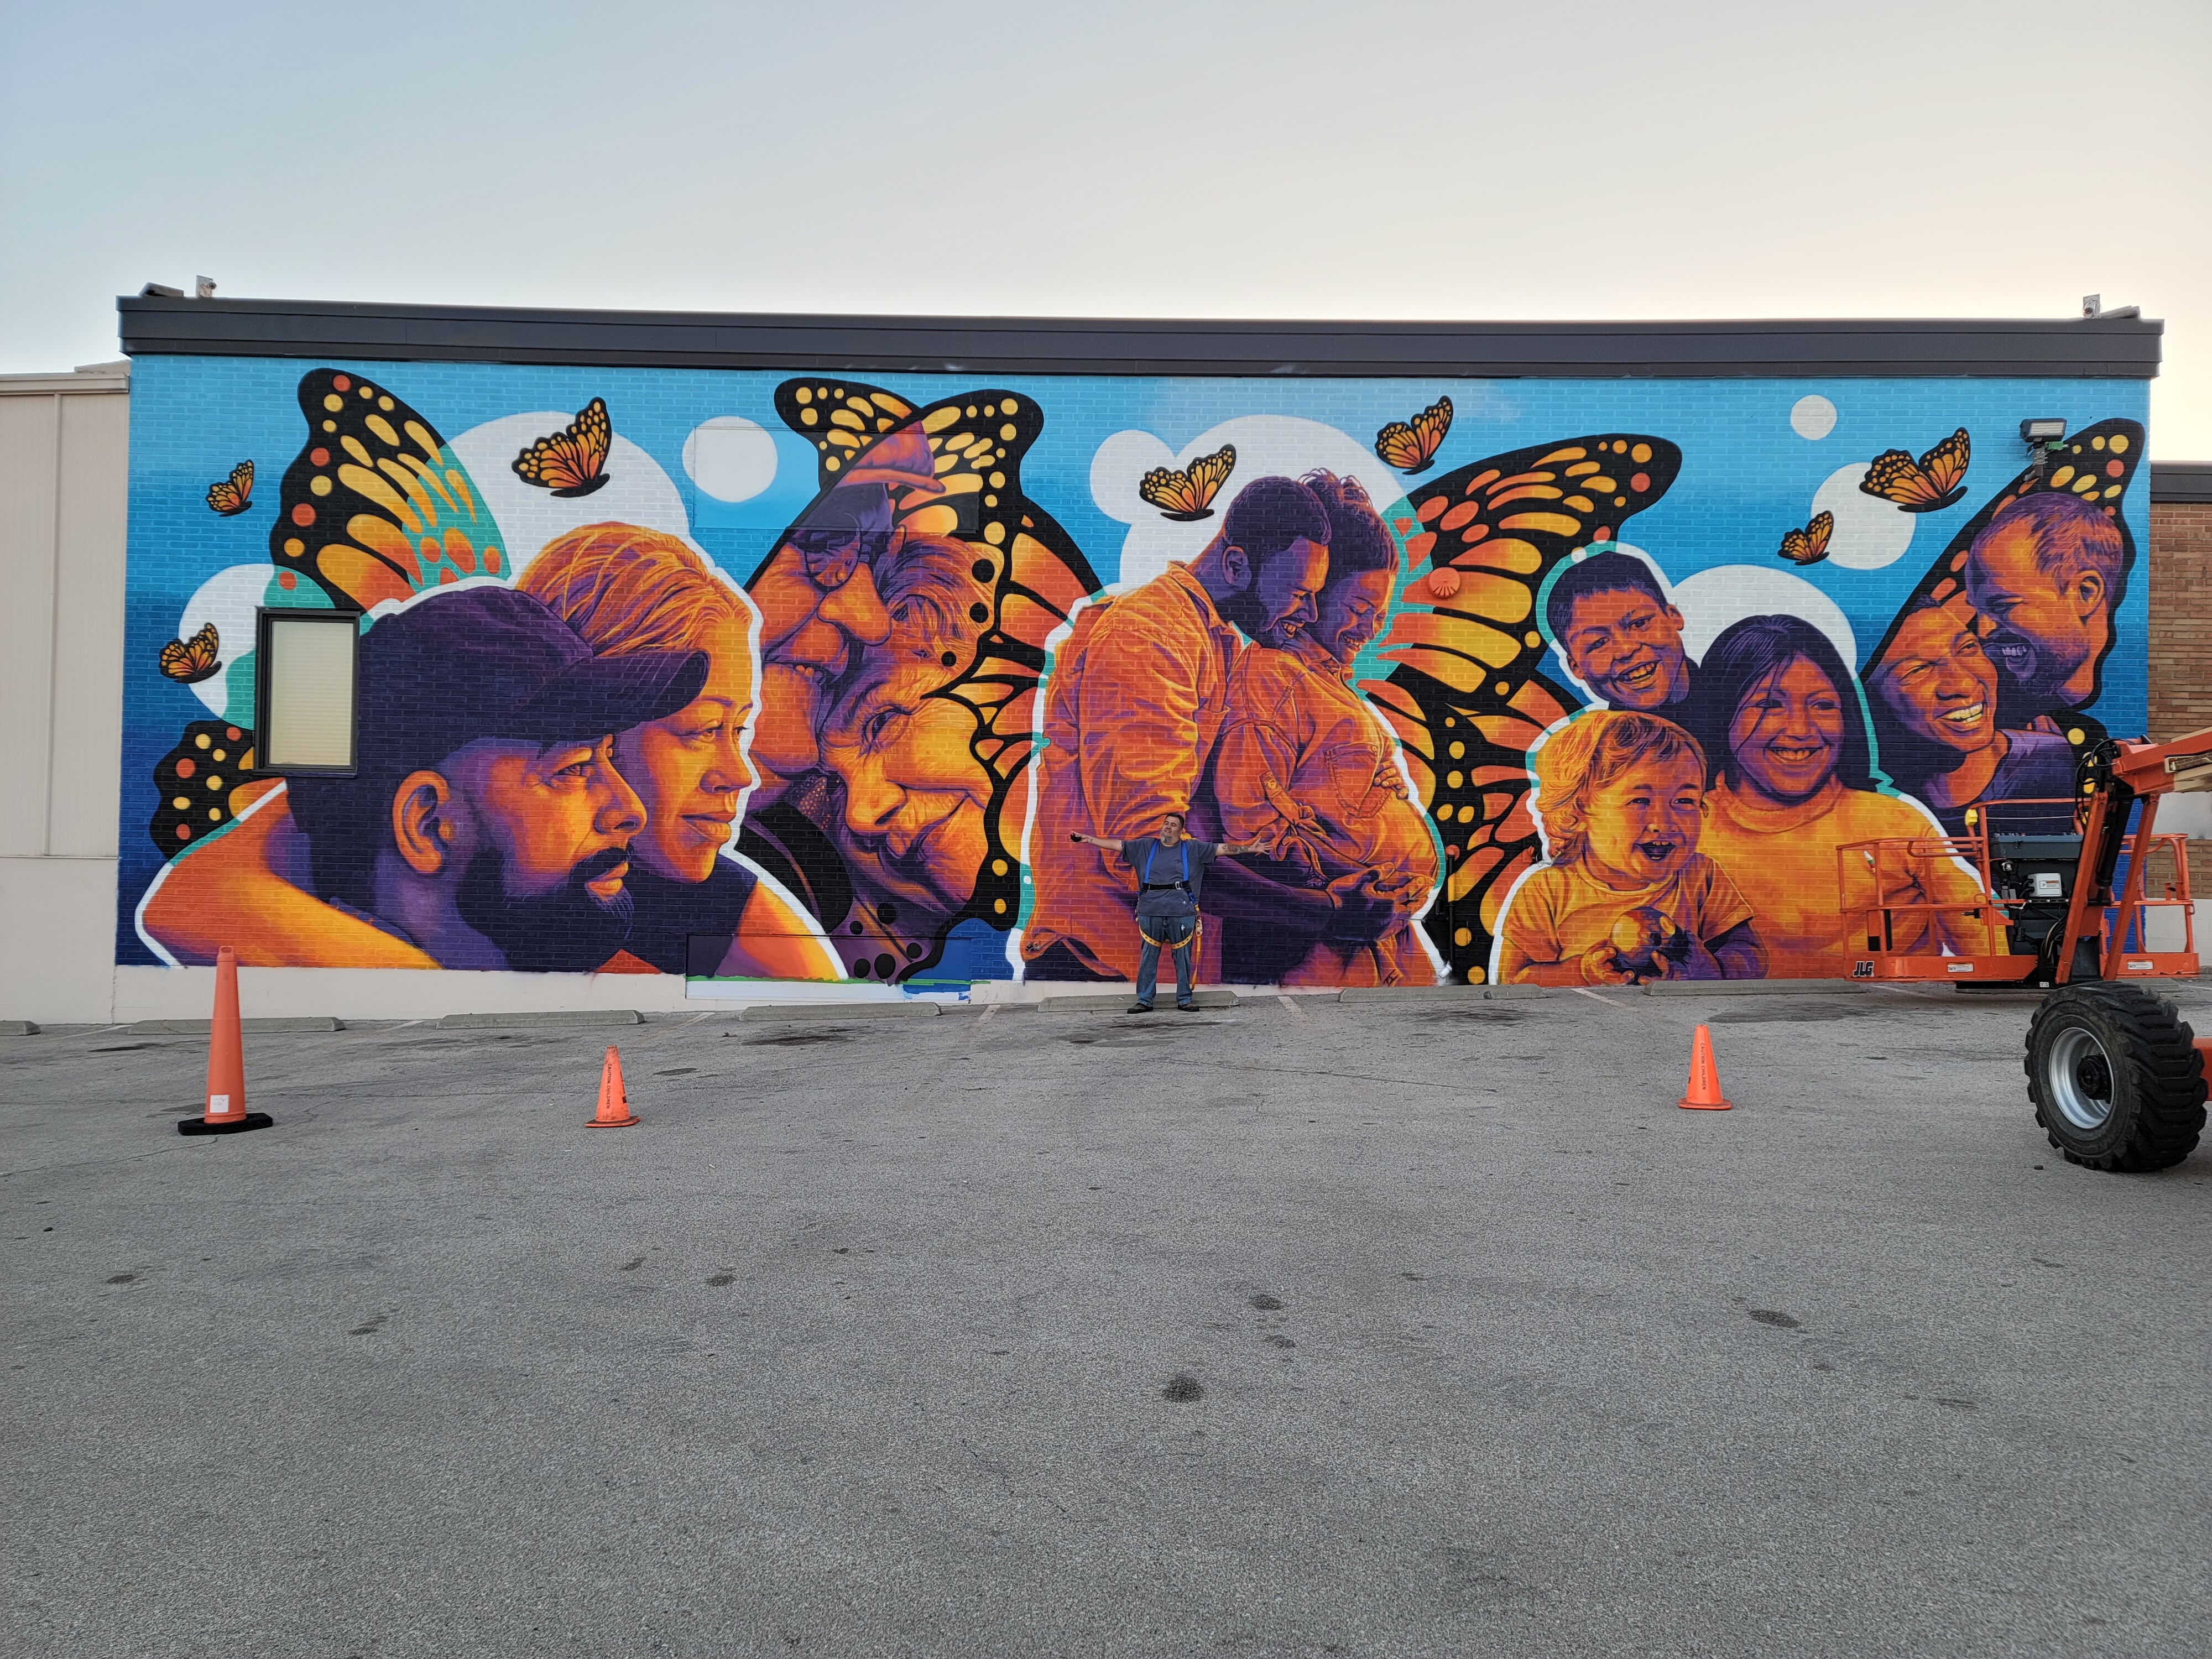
(2180, 618)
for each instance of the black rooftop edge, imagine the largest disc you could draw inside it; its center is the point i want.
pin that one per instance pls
(2036, 348)
(2181, 481)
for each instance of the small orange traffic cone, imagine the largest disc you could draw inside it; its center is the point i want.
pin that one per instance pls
(1704, 1095)
(226, 1112)
(614, 1099)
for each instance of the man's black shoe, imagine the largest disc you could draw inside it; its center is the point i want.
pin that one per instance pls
(1140, 1007)
(1186, 1007)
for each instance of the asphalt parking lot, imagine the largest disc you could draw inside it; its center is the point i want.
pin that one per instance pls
(1313, 1330)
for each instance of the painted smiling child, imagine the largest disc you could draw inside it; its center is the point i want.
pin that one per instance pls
(1626, 897)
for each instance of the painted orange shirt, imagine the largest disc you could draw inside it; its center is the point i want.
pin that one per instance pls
(1784, 859)
(1305, 767)
(1138, 693)
(1560, 911)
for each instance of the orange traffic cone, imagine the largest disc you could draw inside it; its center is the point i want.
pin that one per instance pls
(614, 1099)
(226, 1112)
(1704, 1095)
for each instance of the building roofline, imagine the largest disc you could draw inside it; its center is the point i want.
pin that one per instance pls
(1902, 348)
(2181, 481)
(86, 377)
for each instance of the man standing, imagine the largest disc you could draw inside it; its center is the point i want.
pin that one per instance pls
(1138, 695)
(487, 825)
(1621, 635)
(1170, 869)
(2049, 570)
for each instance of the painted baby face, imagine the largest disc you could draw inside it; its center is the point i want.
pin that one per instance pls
(1644, 826)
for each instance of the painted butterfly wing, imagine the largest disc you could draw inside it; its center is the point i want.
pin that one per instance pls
(197, 782)
(1935, 480)
(1810, 544)
(2097, 465)
(1031, 568)
(1468, 697)
(233, 495)
(1186, 494)
(376, 506)
(569, 462)
(190, 661)
(1411, 446)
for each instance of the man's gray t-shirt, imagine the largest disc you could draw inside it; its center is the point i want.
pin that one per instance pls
(1161, 867)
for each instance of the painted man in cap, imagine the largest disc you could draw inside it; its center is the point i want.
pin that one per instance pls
(486, 824)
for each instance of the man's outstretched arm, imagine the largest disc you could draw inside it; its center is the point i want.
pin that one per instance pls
(1095, 841)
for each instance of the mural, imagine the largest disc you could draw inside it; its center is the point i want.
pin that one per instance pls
(739, 676)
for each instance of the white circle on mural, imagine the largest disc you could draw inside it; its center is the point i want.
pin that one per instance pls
(730, 457)
(1812, 417)
(1869, 531)
(228, 600)
(1713, 600)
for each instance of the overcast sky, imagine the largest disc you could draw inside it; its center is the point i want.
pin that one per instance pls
(1591, 159)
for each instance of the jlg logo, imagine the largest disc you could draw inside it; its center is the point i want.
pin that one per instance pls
(1863, 970)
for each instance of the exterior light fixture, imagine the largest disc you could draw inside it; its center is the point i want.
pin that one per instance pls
(2043, 437)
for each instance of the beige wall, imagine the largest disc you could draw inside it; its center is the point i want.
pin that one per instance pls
(64, 444)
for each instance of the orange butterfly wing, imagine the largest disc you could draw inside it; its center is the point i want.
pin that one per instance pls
(1935, 480)
(1810, 544)
(190, 661)
(1411, 446)
(233, 495)
(568, 462)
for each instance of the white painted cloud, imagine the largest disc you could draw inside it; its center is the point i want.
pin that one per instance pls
(229, 600)
(1812, 417)
(1266, 445)
(1869, 531)
(730, 457)
(637, 492)
(1713, 599)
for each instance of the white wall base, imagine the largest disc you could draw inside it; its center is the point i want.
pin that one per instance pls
(384, 992)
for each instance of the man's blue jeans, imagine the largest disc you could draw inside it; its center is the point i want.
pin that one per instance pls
(1178, 933)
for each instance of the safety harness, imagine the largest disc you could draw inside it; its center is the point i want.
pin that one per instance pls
(1145, 881)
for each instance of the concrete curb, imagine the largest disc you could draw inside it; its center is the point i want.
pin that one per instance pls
(1117, 1001)
(539, 1021)
(1750, 987)
(759, 1012)
(266, 1027)
(18, 1028)
(1418, 996)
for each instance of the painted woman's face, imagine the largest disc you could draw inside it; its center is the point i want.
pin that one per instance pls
(1939, 683)
(1353, 612)
(691, 769)
(1788, 732)
(916, 795)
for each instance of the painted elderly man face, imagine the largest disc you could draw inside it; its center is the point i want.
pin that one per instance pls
(2050, 628)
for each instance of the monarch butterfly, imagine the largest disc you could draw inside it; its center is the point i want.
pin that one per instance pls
(1935, 480)
(1810, 544)
(1468, 697)
(233, 495)
(376, 506)
(568, 463)
(190, 661)
(1184, 495)
(1413, 447)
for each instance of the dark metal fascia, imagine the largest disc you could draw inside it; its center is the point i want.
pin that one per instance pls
(2181, 481)
(1809, 349)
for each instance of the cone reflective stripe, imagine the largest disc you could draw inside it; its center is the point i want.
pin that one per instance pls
(1705, 1090)
(614, 1099)
(224, 1103)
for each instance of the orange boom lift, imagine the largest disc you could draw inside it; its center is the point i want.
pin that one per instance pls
(2118, 1078)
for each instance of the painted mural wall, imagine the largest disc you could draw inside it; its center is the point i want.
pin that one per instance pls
(758, 676)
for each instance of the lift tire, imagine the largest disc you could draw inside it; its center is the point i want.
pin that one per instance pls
(2116, 1077)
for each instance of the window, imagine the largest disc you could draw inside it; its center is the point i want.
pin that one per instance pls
(305, 691)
